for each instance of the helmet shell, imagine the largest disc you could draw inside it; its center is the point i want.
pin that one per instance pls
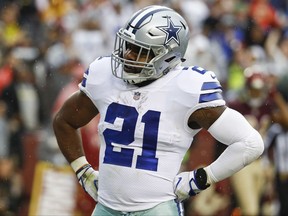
(157, 29)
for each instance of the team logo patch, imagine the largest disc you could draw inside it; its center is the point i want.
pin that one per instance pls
(171, 31)
(136, 95)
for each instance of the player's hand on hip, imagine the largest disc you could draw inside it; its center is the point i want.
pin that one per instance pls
(188, 184)
(88, 179)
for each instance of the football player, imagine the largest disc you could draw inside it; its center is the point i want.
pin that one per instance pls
(150, 109)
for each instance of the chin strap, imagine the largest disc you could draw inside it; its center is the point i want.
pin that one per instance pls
(146, 81)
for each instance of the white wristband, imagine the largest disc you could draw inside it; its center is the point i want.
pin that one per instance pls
(78, 163)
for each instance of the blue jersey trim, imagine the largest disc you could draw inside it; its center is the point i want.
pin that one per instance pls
(211, 85)
(84, 80)
(210, 97)
(83, 83)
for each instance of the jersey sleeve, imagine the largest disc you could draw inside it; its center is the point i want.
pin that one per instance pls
(94, 77)
(205, 88)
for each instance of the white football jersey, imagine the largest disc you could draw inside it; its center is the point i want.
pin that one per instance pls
(143, 131)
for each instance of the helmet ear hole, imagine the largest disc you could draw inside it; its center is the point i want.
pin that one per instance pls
(170, 59)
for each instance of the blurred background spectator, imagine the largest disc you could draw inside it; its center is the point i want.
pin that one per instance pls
(255, 103)
(276, 144)
(45, 46)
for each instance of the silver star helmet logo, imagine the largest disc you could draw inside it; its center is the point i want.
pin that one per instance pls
(171, 31)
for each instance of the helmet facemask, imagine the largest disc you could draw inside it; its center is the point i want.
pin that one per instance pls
(133, 71)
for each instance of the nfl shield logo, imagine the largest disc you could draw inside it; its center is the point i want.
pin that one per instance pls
(136, 95)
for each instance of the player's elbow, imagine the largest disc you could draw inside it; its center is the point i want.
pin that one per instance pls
(55, 121)
(259, 144)
(58, 122)
(254, 147)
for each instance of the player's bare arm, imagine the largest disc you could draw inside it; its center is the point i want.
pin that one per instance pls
(77, 111)
(205, 117)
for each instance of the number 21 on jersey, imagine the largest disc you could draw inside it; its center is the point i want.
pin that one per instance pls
(147, 160)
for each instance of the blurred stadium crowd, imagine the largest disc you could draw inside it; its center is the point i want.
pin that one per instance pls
(45, 45)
